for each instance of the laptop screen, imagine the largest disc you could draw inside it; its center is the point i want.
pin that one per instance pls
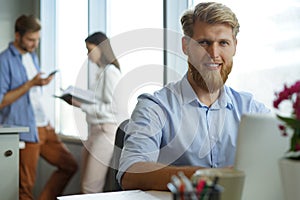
(260, 145)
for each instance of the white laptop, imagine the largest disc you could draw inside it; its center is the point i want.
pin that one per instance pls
(260, 145)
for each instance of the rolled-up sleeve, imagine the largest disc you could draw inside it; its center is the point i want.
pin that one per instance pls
(143, 135)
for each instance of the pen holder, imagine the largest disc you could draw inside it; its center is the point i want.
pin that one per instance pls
(209, 193)
(231, 180)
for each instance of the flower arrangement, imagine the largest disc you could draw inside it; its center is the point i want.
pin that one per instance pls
(292, 122)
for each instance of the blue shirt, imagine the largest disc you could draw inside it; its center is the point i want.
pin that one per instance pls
(173, 127)
(13, 75)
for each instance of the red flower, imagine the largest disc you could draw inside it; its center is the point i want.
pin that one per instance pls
(291, 94)
(297, 147)
(296, 106)
(281, 127)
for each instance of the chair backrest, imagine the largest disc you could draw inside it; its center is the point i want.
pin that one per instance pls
(111, 184)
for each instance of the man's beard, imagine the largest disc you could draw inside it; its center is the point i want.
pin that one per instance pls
(210, 81)
(23, 46)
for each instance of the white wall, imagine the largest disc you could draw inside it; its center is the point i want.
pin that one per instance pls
(9, 11)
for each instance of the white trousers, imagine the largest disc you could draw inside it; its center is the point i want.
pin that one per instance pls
(97, 153)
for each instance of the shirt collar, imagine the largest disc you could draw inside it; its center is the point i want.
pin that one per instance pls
(13, 49)
(223, 101)
(189, 95)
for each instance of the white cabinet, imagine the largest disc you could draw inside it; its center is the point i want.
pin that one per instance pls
(9, 161)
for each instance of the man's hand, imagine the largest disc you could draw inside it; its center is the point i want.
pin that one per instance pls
(39, 81)
(13, 95)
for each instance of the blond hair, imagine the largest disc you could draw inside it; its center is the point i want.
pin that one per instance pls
(211, 13)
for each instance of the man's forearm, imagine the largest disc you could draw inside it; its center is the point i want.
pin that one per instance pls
(152, 176)
(15, 94)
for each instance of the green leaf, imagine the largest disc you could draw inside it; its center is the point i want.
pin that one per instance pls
(291, 122)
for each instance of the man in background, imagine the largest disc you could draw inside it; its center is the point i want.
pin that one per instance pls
(21, 104)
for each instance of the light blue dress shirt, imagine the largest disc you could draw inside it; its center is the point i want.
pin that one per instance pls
(12, 76)
(173, 127)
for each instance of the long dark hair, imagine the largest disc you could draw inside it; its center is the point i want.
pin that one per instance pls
(102, 42)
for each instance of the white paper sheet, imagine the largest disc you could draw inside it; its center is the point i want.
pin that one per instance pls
(122, 195)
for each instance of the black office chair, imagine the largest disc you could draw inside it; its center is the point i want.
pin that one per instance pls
(111, 184)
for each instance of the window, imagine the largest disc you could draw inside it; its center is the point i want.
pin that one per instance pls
(136, 34)
(63, 47)
(71, 29)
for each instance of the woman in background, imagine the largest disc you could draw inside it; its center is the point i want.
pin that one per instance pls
(100, 116)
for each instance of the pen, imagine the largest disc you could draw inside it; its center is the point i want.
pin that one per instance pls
(176, 182)
(178, 185)
(201, 184)
(204, 192)
(181, 191)
(216, 179)
(172, 188)
(213, 190)
(188, 185)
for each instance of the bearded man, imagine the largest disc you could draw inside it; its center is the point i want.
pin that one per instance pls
(193, 123)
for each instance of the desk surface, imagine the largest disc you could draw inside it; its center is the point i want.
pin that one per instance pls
(161, 195)
(123, 195)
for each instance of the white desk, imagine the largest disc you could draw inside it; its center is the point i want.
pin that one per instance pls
(9, 161)
(123, 195)
(161, 195)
